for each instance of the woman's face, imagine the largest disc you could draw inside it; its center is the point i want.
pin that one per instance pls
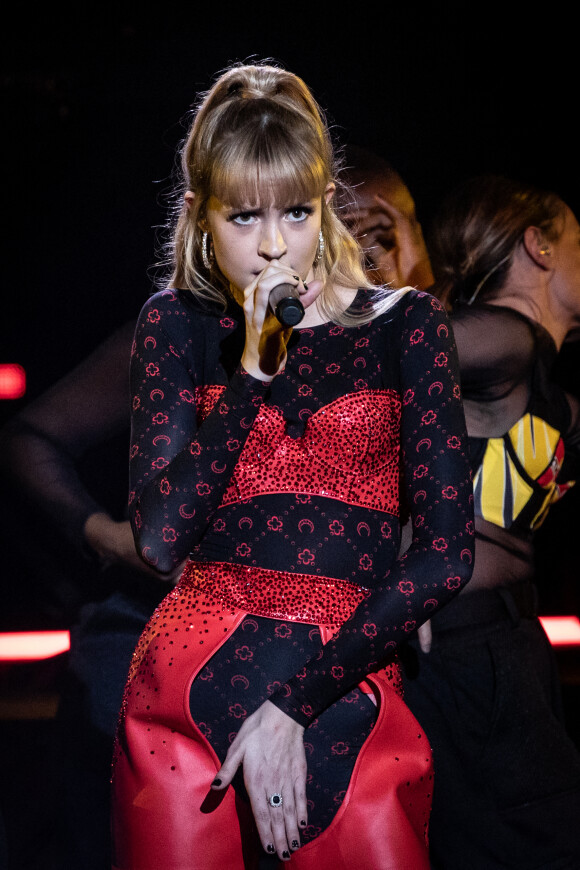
(247, 240)
(565, 260)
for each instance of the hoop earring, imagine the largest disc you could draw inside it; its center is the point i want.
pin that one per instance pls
(320, 249)
(206, 251)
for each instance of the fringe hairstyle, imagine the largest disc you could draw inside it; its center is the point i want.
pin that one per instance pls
(258, 134)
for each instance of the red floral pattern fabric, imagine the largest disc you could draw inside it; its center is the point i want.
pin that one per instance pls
(311, 474)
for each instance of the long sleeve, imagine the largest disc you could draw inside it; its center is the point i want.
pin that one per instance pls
(182, 457)
(40, 448)
(438, 492)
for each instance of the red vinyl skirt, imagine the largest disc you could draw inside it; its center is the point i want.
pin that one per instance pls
(165, 815)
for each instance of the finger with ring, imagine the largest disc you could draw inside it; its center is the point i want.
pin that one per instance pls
(275, 800)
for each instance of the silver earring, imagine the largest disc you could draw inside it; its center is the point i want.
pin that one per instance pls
(320, 249)
(206, 252)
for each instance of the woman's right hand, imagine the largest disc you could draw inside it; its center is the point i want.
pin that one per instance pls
(393, 241)
(264, 353)
(270, 748)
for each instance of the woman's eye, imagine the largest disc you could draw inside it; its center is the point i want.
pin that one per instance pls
(243, 218)
(387, 241)
(298, 213)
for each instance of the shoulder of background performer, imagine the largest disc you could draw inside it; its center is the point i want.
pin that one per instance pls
(497, 346)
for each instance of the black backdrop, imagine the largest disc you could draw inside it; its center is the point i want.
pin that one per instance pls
(92, 109)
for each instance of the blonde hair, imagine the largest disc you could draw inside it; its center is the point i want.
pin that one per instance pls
(259, 132)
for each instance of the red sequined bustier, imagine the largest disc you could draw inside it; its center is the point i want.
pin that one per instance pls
(349, 450)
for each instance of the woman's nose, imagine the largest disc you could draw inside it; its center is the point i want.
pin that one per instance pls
(272, 243)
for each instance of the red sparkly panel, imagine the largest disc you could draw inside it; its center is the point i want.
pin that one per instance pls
(349, 451)
(275, 594)
(205, 399)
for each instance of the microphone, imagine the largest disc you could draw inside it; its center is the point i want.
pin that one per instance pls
(285, 302)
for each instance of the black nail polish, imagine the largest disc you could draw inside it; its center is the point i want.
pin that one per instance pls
(297, 277)
(295, 844)
(270, 848)
(302, 823)
(217, 781)
(285, 853)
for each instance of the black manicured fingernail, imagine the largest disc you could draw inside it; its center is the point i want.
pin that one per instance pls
(303, 823)
(305, 285)
(217, 781)
(297, 277)
(270, 848)
(285, 854)
(295, 844)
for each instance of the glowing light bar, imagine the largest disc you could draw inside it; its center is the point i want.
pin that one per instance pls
(21, 646)
(12, 381)
(562, 630)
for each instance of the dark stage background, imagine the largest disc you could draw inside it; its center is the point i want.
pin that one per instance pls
(91, 114)
(94, 105)
(92, 111)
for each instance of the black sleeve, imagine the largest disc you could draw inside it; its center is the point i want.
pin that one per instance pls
(495, 346)
(40, 448)
(181, 464)
(437, 481)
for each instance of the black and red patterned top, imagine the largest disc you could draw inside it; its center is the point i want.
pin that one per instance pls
(312, 474)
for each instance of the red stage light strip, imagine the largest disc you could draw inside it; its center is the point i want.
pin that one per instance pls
(21, 646)
(12, 381)
(562, 630)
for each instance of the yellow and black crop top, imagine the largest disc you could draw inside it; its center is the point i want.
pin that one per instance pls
(532, 453)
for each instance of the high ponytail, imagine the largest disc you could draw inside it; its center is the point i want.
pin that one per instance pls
(258, 134)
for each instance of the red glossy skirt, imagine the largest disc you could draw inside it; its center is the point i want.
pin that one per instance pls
(166, 817)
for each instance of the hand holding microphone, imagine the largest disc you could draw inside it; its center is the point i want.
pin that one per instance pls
(284, 300)
(273, 305)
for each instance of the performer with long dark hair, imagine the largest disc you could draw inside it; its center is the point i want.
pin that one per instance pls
(506, 257)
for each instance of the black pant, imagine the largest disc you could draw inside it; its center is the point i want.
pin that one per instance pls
(101, 649)
(507, 776)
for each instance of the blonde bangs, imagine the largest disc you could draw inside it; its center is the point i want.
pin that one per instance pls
(268, 169)
(243, 183)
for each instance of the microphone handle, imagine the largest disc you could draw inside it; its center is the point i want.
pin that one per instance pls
(285, 302)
